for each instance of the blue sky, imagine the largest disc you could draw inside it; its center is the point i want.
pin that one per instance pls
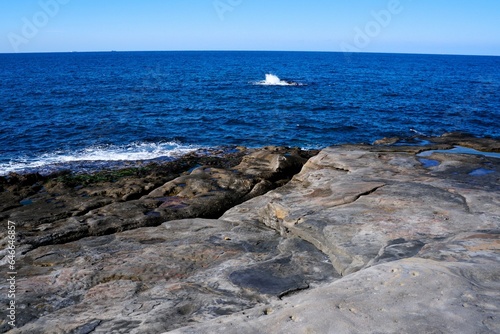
(407, 26)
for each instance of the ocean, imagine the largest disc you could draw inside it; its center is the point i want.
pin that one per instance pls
(86, 110)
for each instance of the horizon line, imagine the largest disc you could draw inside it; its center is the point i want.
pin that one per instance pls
(222, 50)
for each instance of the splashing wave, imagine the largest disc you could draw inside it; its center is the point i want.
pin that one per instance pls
(273, 80)
(95, 156)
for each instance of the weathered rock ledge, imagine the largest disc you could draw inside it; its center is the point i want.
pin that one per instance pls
(63, 208)
(364, 239)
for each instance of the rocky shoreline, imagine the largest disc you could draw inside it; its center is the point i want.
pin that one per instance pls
(355, 238)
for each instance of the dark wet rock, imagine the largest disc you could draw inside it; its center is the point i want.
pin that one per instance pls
(274, 278)
(466, 140)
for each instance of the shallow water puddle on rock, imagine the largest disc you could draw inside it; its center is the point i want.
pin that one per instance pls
(460, 150)
(481, 172)
(25, 202)
(428, 163)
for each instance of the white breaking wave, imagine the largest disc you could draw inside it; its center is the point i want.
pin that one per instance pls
(103, 153)
(273, 80)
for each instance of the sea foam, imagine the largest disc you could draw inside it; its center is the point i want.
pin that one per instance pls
(93, 157)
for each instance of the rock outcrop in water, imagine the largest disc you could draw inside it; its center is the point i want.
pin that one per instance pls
(364, 239)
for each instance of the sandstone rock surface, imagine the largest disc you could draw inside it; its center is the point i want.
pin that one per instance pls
(149, 280)
(362, 206)
(419, 248)
(365, 239)
(405, 296)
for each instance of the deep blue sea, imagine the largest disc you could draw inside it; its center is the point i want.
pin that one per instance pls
(65, 107)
